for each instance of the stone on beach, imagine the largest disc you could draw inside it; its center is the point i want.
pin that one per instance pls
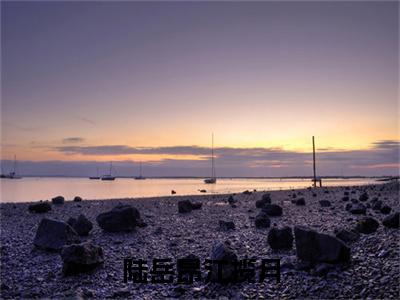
(222, 251)
(58, 200)
(392, 221)
(272, 210)
(367, 225)
(120, 218)
(347, 236)
(318, 247)
(363, 197)
(81, 225)
(40, 207)
(262, 220)
(196, 205)
(266, 199)
(358, 209)
(226, 225)
(80, 258)
(325, 203)
(300, 202)
(280, 238)
(184, 206)
(77, 199)
(52, 235)
(386, 210)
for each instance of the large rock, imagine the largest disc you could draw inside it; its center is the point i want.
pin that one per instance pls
(40, 207)
(347, 236)
(317, 247)
(377, 205)
(80, 258)
(386, 210)
(222, 251)
(325, 203)
(391, 221)
(82, 225)
(58, 200)
(77, 199)
(120, 218)
(280, 238)
(367, 225)
(272, 210)
(184, 206)
(266, 199)
(262, 220)
(363, 197)
(52, 235)
(358, 209)
(300, 202)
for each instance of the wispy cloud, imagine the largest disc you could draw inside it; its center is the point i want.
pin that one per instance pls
(73, 140)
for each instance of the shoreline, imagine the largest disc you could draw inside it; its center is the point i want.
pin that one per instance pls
(28, 272)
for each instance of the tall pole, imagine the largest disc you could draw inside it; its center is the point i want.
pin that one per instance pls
(212, 156)
(315, 176)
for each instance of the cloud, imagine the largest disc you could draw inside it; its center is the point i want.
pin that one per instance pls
(86, 120)
(73, 140)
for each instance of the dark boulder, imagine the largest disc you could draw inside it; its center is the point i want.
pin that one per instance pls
(272, 210)
(81, 258)
(77, 199)
(40, 207)
(363, 197)
(317, 247)
(226, 271)
(345, 198)
(266, 199)
(82, 225)
(184, 206)
(226, 225)
(58, 200)
(173, 192)
(52, 235)
(262, 220)
(325, 203)
(385, 210)
(391, 221)
(347, 236)
(377, 205)
(367, 225)
(231, 200)
(280, 238)
(196, 205)
(301, 202)
(120, 218)
(358, 209)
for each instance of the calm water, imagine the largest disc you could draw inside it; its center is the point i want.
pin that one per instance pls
(30, 188)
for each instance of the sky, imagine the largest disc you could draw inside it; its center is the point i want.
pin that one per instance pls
(85, 83)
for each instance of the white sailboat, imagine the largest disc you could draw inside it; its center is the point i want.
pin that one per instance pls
(213, 178)
(140, 177)
(108, 176)
(97, 174)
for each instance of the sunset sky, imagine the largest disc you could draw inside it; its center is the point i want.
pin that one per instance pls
(90, 82)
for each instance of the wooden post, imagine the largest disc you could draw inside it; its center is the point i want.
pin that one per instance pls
(315, 176)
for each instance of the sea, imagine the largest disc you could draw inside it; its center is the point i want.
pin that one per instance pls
(44, 188)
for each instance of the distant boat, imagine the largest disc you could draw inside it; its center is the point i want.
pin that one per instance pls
(140, 177)
(13, 174)
(97, 174)
(108, 176)
(213, 178)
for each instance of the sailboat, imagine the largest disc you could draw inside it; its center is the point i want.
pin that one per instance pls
(140, 177)
(212, 179)
(108, 176)
(13, 174)
(97, 174)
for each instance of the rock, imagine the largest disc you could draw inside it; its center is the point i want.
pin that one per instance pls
(197, 205)
(58, 200)
(325, 203)
(77, 199)
(345, 198)
(301, 202)
(377, 205)
(347, 236)
(317, 247)
(203, 191)
(81, 258)
(184, 206)
(226, 225)
(272, 210)
(231, 200)
(173, 192)
(367, 225)
(280, 238)
(52, 235)
(247, 192)
(262, 220)
(120, 218)
(385, 210)
(40, 207)
(391, 221)
(363, 197)
(82, 225)
(358, 209)
(266, 199)
(223, 252)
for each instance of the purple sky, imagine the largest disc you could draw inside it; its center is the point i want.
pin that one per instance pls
(99, 76)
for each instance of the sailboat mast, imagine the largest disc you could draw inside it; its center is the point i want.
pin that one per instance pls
(212, 156)
(140, 169)
(110, 167)
(315, 175)
(15, 164)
